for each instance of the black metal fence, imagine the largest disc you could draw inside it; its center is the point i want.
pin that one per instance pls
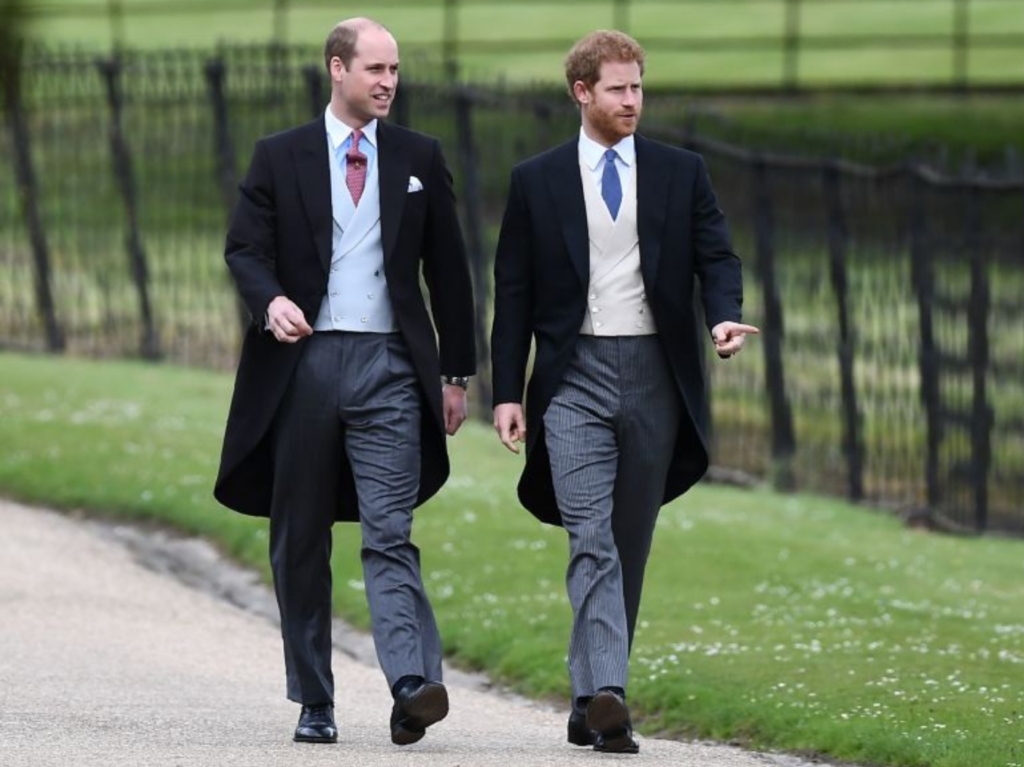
(891, 368)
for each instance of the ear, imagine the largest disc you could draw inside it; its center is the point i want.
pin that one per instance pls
(581, 92)
(337, 69)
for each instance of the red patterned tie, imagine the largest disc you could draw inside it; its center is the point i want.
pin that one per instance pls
(355, 168)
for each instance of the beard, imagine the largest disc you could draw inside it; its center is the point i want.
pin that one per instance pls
(610, 125)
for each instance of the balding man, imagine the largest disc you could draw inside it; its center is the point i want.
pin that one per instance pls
(342, 400)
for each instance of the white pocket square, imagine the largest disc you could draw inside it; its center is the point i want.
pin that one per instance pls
(415, 185)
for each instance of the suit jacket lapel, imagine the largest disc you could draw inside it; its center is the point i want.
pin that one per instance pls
(313, 171)
(393, 168)
(652, 182)
(566, 189)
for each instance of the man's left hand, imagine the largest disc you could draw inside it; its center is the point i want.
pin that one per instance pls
(728, 337)
(455, 408)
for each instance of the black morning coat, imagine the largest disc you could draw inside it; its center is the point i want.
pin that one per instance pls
(279, 243)
(542, 274)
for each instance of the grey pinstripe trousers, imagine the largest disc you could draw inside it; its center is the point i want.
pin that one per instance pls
(353, 394)
(610, 431)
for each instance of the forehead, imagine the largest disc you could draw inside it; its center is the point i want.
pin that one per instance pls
(619, 72)
(376, 44)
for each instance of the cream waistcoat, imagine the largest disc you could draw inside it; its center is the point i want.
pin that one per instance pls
(616, 301)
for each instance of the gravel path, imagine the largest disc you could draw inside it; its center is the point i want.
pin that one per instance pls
(107, 662)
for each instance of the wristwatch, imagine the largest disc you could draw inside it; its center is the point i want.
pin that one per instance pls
(460, 381)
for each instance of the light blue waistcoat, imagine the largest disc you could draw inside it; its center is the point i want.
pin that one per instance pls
(357, 293)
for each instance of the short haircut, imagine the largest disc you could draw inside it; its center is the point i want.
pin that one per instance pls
(583, 64)
(341, 42)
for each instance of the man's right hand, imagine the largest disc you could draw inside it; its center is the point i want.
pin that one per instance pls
(510, 423)
(286, 321)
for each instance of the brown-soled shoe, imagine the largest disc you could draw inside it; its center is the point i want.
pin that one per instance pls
(608, 717)
(316, 725)
(418, 704)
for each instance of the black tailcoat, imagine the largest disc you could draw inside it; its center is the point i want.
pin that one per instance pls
(279, 243)
(542, 273)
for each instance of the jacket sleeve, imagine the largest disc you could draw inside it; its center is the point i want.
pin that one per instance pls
(446, 273)
(717, 266)
(250, 250)
(510, 334)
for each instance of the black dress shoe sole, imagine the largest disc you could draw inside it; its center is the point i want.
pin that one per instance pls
(622, 745)
(427, 706)
(315, 738)
(608, 716)
(607, 713)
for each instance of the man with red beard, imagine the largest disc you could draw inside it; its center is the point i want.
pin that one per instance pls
(602, 241)
(342, 400)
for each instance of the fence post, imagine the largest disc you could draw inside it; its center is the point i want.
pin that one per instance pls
(853, 448)
(227, 175)
(450, 40)
(471, 195)
(400, 105)
(783, 439)
(122, 163)
(28, 191)
(542, 125)
(922, 275)
(224, 151)
(791, 47)
(982, 416)
(314, 89)
(961, 43)
(115, 14)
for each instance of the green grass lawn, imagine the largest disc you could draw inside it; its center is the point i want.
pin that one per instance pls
(793, 622)
(553, 26)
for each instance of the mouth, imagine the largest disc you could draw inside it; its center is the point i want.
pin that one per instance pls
(382, 98)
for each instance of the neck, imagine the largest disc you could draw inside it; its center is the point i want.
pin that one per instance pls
(339, 111)
(599, 138)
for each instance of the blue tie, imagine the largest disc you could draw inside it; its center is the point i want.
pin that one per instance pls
(611, 187)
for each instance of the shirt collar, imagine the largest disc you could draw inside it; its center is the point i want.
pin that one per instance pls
(338, 131)
(593, 153)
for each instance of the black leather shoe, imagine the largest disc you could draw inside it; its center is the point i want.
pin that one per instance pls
(316, 725)
(608, 717)
(418, 704)
(579, 733)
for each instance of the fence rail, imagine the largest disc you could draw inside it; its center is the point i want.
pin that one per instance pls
(787, 33)
(889, 369)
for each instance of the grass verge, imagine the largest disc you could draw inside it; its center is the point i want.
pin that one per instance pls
(792, 622)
